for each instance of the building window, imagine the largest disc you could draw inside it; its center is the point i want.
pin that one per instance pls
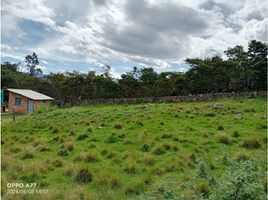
(17, 101)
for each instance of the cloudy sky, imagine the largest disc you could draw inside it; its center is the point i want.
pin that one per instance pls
(84, 35)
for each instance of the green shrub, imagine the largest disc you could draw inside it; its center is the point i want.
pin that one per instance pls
(220, 128)
(111, 139)
(27, 155)
(55, 130)
(58, 163)
(69, 146)
(166, 136)
(87, 157)
(224, 139)
(107, 179)
(145, 148)
(251, 144)
(63, 152)
(149, 161)
(236, 134)
(139, 123)
(83, 176)
(209, 115)
(242, 156)
(82, 137)
(135, 188)
(203, 188)
(158, 150)
(118, 126)
(130, 167)
(241, 182)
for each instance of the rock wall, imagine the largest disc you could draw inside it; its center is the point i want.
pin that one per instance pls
(189, 98)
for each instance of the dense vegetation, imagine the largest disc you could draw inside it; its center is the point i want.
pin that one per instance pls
(242, 71)
(203, 150)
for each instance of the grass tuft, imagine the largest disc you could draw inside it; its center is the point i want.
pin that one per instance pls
(251, 144)
(83, 176)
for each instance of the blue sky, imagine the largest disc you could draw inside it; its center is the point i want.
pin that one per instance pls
(85, 35)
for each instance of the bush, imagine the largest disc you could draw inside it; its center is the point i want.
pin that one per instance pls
(242, 156)
(108, 179)
(134, 188)
(118, 126)
(241, 181)
(130, 167)
(69, 146)
(87, 157)
(63, 152)
(203, 188)
(111, 139)
(224, 139)
(139, 123)
(148, 160)
(58, 163)
(166, 136)
(236, 134)
(209, 115)
(55, 130)
(83, 176)
(145, 147)
(27, 155)
(251, 144)
(82, 137)
(158, 150)
(89, 129)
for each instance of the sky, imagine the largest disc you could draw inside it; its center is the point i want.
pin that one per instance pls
(85, 35)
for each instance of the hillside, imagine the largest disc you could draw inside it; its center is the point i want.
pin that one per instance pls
(139, 151)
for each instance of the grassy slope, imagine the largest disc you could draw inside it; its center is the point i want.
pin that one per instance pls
(123, 168)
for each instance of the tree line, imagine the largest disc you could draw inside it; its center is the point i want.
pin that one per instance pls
(243, 70)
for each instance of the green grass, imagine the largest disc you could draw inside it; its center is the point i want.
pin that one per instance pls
(129, 151)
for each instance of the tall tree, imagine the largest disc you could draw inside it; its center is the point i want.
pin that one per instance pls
(31, 63)
(257, 52)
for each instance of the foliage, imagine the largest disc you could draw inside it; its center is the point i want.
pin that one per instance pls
(242, 71)
(240, 182)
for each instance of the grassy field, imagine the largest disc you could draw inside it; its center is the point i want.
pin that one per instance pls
(130, 151)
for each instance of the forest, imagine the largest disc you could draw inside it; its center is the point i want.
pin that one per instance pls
(242, 70)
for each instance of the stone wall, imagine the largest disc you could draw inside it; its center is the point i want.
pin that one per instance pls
(189, 98)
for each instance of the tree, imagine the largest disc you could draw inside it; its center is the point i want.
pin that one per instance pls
(31, 62)
(257, 60)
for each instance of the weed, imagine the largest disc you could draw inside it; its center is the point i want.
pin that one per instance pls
(111, 139)
(83, 176)
(108, 180)
(118, 126)
(209, 115)
(251, 144)
(145, 148)
(224, 138)
(82, 137)
(62, 152)
(27, 155)
(130, 167)
(166, 136)
(236, 134)
(58, 163)
(87, 157)
(149, 160)
(158, 150)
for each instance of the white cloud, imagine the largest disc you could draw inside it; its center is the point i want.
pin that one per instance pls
(34, 10)
(153, 33)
